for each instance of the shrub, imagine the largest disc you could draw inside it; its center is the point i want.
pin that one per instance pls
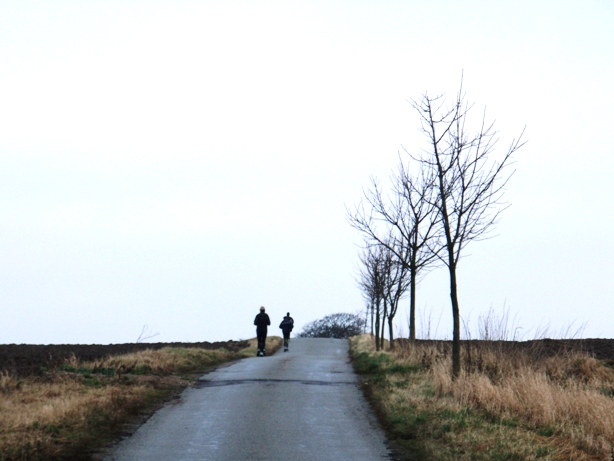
(340, 325)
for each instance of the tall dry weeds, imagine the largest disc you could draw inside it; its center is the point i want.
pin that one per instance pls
(563, 395)
(565, 399)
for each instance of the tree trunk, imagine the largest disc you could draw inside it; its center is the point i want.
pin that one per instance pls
(412, 297)
(384, 317)
(390, 333)
(456, 346)
(383, 330)
(412, 307)
(372, 313)
(377, 325)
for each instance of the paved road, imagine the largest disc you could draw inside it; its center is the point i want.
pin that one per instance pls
(301, 405)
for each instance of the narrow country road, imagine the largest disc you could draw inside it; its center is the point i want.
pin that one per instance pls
(302, 405)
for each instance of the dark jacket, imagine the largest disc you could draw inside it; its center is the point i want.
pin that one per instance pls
(262, 320)
(287, 324)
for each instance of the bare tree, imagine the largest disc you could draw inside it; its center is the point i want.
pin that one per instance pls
(405, 223)
(469, 185)
(366, 281)
(396, 284)
(387, 273)
(383, 280)
(371, 281)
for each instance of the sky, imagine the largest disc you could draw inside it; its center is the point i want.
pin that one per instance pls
(168, 167)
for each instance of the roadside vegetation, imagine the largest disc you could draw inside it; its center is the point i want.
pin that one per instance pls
(69, 412)
(507, 403)
(340, 326)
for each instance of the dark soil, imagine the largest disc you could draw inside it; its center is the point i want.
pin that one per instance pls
(30, 359)
(601, 349)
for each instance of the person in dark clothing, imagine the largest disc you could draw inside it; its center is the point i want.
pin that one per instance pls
(286, 326)
(261, 321)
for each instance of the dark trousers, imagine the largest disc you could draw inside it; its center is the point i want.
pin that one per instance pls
(261, 334)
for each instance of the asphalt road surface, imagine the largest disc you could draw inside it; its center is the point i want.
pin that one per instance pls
(302, 405)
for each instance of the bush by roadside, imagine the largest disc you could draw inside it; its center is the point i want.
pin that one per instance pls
(507, 404)
(340, 326)
(69, 411)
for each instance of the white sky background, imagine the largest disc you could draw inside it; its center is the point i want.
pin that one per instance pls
(178, 164)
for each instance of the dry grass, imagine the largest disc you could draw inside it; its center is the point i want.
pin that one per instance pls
(272, 344)
(507, 403)
(52, 418)
(74, 409)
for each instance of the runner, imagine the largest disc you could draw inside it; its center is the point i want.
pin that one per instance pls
(261, 321)
(286, 326)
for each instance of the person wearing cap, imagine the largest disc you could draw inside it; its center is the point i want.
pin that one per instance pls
(286, 326)
(261, 321)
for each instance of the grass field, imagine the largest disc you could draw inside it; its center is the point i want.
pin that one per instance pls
(72, 410)
(507, 404)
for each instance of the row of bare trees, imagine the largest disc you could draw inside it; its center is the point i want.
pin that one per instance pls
(441, 198)
(383, 281)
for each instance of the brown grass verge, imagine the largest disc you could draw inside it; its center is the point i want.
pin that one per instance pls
(71, 411)
(508, 404)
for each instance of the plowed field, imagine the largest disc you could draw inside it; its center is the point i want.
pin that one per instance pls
(29, 359)
(601, 349)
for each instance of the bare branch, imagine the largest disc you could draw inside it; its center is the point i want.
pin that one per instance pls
(145, 335)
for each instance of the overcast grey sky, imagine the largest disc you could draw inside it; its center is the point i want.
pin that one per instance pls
(178, 164)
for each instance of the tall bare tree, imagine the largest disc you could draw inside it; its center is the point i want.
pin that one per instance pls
(469, 183)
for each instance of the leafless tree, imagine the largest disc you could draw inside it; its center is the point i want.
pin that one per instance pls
(469, 183)
(383, 280)
(386, 270)
(405, 224)
(396, 284)
(366, 282)
(371, 282)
